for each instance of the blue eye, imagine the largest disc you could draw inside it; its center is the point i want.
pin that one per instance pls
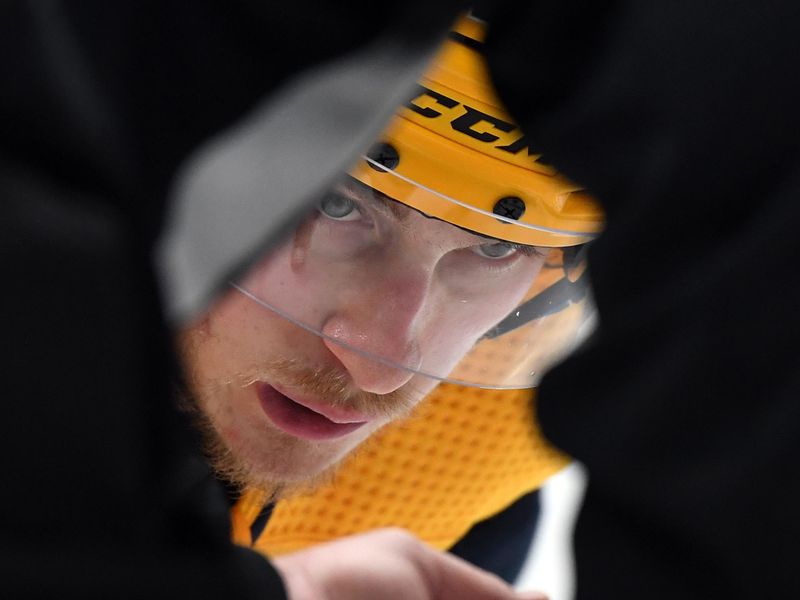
(338, 207)
(495, 250)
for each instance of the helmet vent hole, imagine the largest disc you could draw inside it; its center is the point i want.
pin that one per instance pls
(510, 207)
(385, 155)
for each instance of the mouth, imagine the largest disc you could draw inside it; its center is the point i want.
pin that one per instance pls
(305, 418)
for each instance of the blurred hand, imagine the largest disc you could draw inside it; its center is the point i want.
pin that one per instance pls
(389, 564)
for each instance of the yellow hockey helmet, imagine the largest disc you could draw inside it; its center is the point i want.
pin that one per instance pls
(453, 153)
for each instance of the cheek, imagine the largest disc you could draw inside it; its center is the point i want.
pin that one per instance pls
(460, 324)
(497, 301)
(294, 284)
(236, 337)
(234, 332)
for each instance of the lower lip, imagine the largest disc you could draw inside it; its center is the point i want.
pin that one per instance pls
(298, 420)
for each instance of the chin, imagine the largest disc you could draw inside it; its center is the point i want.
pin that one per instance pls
(284, 461)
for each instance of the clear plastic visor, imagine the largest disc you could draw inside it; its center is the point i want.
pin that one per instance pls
(382, 293)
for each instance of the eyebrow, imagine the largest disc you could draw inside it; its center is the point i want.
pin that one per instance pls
(384, 204)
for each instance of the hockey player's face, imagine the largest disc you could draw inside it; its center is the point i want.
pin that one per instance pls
(286, 402)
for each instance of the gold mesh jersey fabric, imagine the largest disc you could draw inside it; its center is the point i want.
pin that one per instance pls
(464, 455)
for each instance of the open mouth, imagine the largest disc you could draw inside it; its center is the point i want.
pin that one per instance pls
(305, 419)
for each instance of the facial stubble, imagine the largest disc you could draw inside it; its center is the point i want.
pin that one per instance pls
(206, 401)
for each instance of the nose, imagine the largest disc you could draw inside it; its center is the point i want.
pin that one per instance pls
(373, 333)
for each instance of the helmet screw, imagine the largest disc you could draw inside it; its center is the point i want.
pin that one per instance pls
(384, 154)
(510, 207)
